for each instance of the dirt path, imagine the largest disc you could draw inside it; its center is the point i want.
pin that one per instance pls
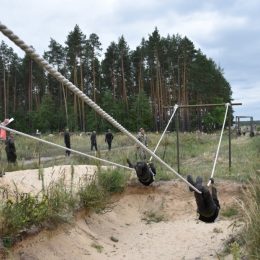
(176, 235)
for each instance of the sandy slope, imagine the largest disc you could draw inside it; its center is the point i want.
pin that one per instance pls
(178, 236)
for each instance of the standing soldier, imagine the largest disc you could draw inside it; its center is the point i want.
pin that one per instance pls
(108, 138)
(142, 137)
(93, 140)
(67, 141)
(10, 149)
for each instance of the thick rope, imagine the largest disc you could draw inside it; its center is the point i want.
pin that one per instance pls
(155, 149)
(56, 74)
(219, 143)
(64, 148)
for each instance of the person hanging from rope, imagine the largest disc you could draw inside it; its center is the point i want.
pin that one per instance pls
(145, 171)
(207, 202)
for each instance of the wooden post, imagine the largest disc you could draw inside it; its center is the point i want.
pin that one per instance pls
(229, 136)
(177, 138)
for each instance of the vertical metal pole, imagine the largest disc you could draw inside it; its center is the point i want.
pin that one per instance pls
(177, 138)
(229, 137)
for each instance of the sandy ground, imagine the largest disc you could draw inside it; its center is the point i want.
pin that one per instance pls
(126, 231)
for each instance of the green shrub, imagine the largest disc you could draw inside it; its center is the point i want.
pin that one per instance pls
(92, 197)
(23, 213)
(61, 201)
(112, 181)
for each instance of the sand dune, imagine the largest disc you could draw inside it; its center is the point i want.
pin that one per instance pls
(128, 230)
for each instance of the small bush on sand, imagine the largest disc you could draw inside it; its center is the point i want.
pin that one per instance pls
(92, 197)
(22, 213)
(113, 181)
(153, 216)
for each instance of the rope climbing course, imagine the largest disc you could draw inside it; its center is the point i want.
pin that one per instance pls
(219, 143)
(56, 74)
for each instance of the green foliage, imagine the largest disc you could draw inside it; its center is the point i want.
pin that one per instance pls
(98, 247)
(163, 175)
(133, 86)
(61, 201)
(229, 212)
(112, 181)
(251, 216)
(92, 197)
(46, 118)
(153, 217)
(141, 112)
(23, 213)
(235, 251)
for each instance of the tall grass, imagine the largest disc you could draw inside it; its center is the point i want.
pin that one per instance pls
(251, 213)
(58, 202)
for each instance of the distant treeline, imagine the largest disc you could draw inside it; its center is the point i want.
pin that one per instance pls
(137, 87)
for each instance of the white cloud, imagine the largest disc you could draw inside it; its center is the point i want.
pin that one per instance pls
(227, 31)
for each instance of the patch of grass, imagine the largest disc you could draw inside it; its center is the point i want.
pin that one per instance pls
(235, 251)
(251, 216)
(93, 197)
(163, 175)
(20, 214)
(113, 181)
(61, 201)
(229, 212)
(153, 217)
(98, 247)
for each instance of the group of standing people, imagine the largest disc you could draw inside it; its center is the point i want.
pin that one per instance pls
(108, 139)
(93, 140)
(141, 136)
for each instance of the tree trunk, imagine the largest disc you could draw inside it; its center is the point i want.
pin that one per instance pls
(14, 94)
(82, 102)
(124, 94)
(5, 99)
(65, 104)
(30, 87)
(75, 100)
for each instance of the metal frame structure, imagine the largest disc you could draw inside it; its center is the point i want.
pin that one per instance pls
(203, 105)
(238, 125)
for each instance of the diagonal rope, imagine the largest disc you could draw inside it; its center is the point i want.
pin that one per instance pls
(63, 147)
(56, 74)
(155, 149)
(219, 143)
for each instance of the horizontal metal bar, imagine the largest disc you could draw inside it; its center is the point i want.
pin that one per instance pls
(244, 117)
(206, 105)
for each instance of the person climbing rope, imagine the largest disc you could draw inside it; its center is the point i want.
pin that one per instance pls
(207, 203)
(145, 171)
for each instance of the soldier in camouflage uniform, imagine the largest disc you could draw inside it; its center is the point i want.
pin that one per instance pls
(140, 152)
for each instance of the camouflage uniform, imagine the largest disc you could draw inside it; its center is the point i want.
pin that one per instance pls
(140, 153)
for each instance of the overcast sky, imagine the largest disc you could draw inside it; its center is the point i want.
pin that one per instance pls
(228, 31)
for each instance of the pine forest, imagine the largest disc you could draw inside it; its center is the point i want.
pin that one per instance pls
(137, 87)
